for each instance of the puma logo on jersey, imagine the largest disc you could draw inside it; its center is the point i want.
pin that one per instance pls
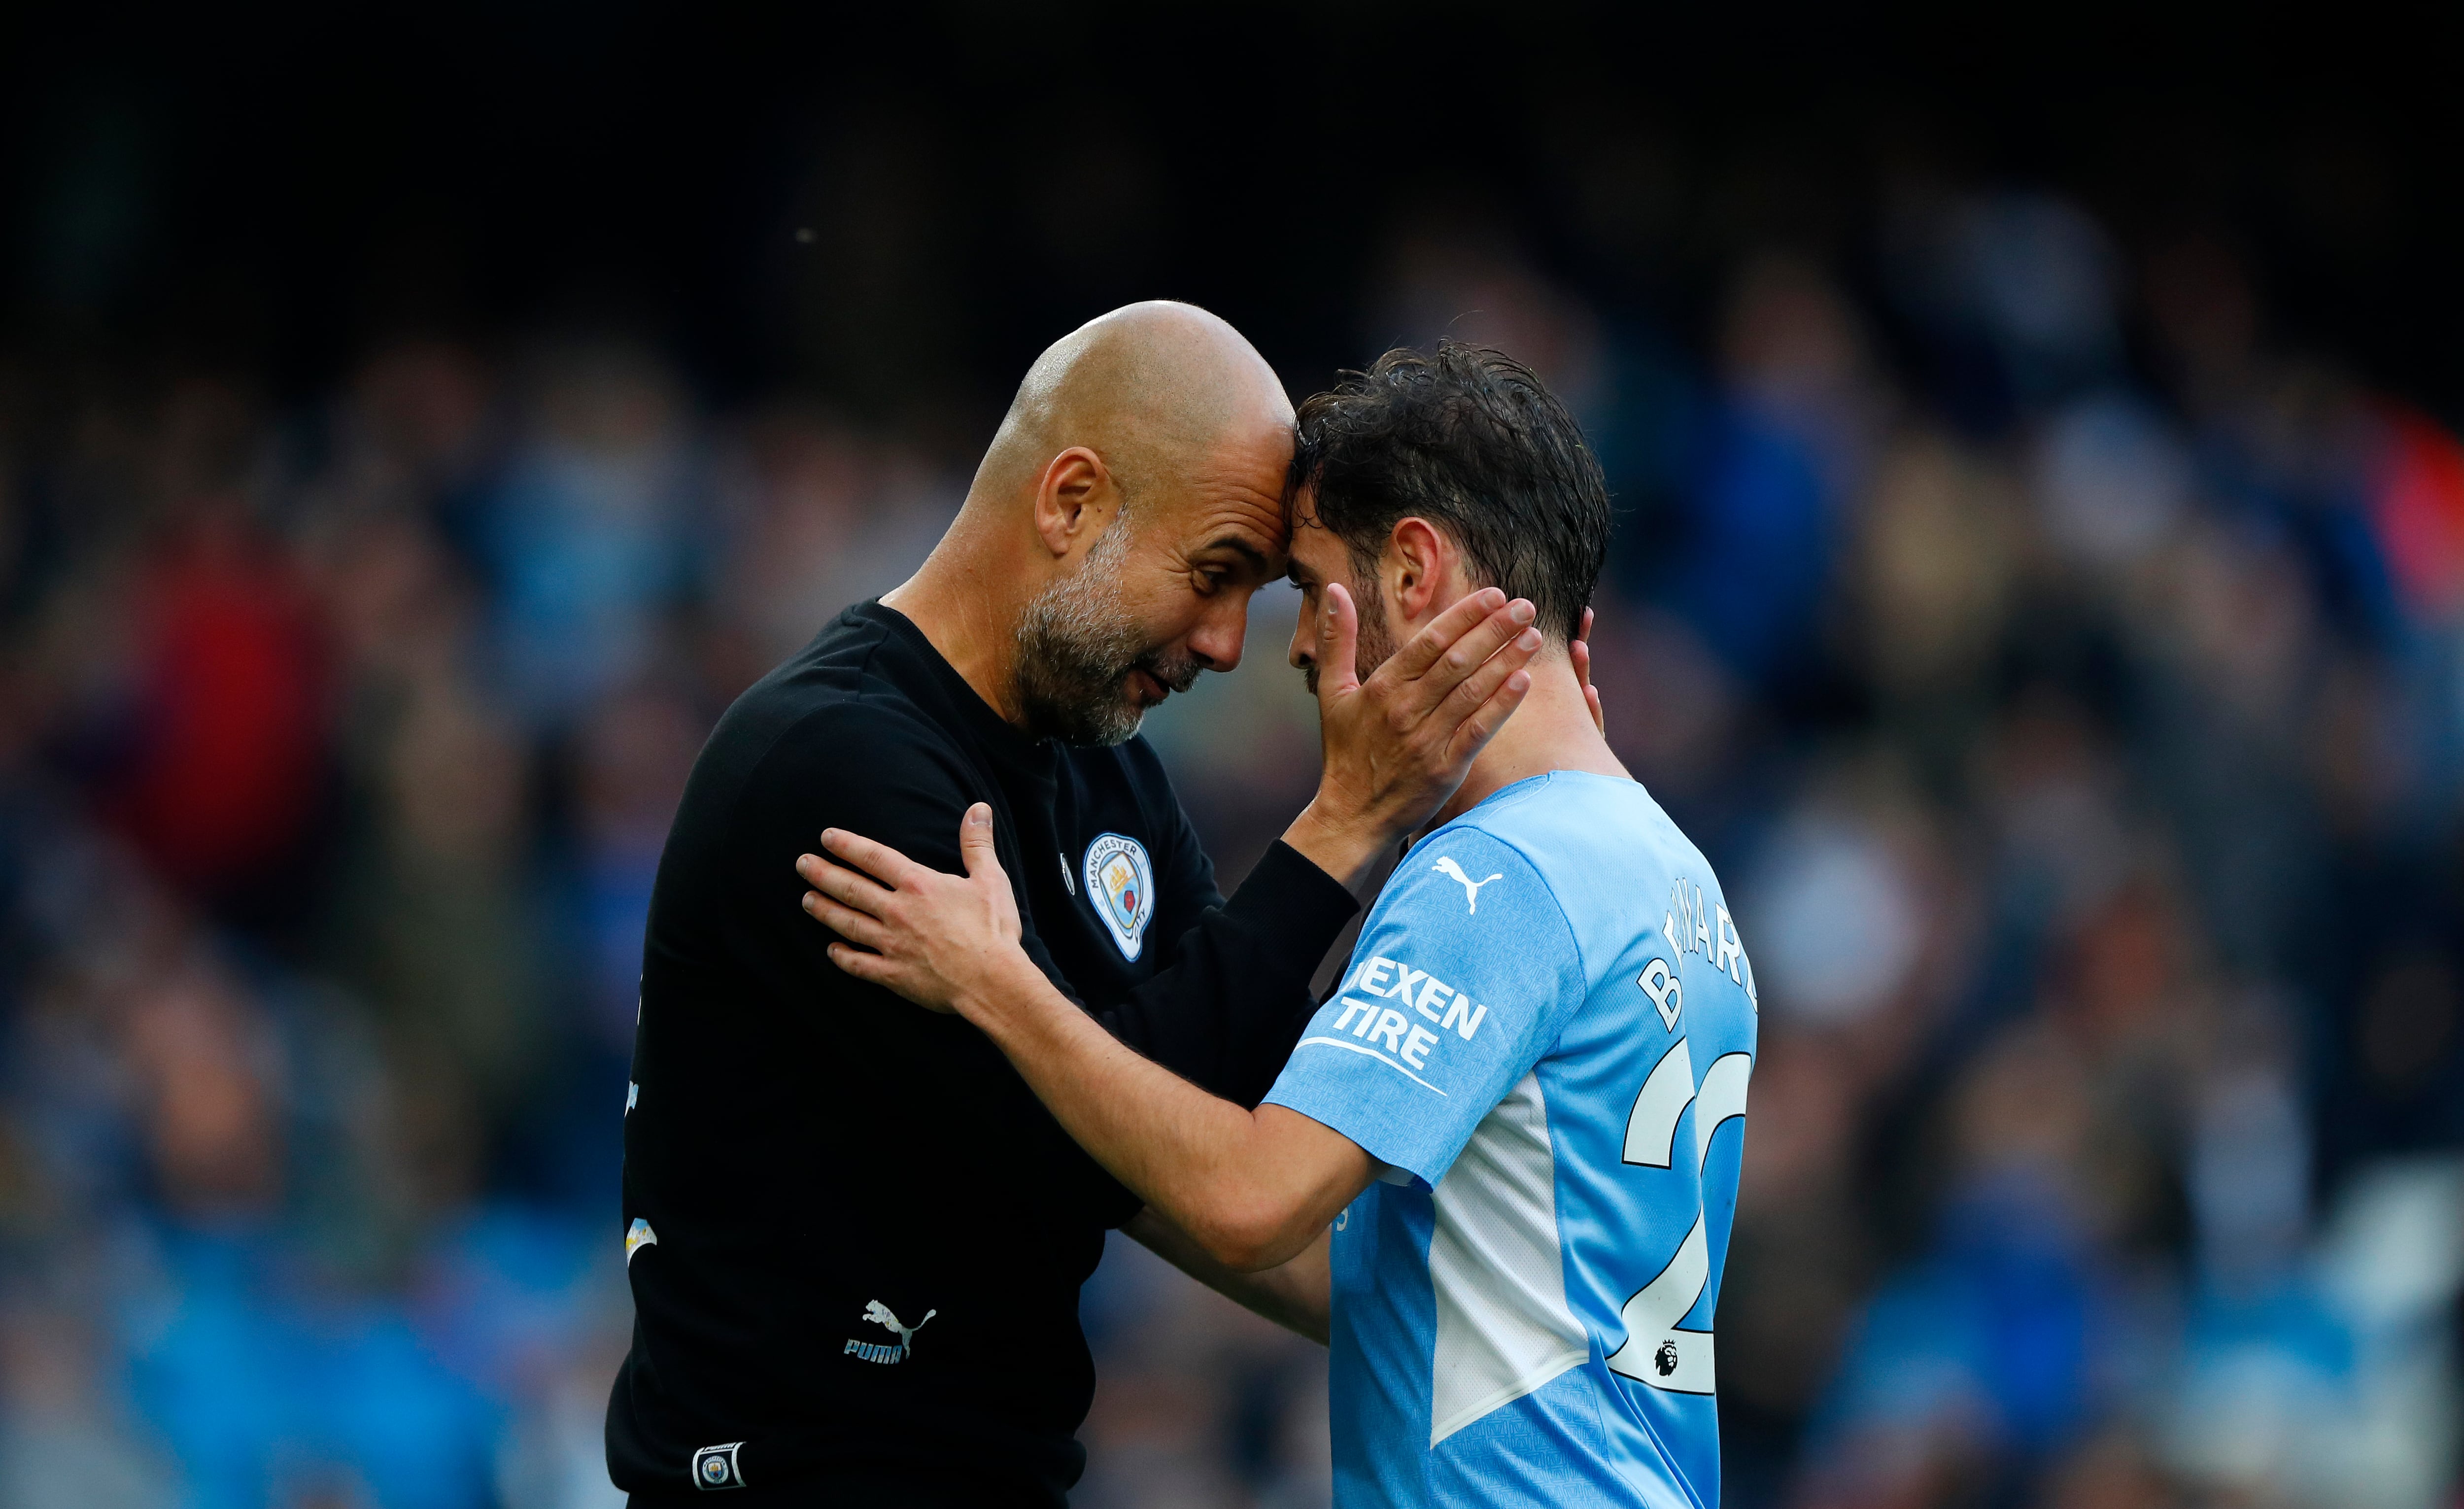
(881, 1315)
(1447, 867)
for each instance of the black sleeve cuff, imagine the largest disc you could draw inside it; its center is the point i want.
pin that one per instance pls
(1290, 900)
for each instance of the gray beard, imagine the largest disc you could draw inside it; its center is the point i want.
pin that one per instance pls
(1077, 643)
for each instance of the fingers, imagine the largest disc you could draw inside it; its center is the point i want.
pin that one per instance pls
(1417, 657)
(1338, 644)
(1485, 679)
(976, 841)
(1578, 650)
(871, 967)
(1475, 731)
(845, 921)
(842, 885)
(883, 862)
(874, 969)
(1495, 634)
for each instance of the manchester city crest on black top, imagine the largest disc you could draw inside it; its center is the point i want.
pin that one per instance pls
(1120, 885)
(715, 1467)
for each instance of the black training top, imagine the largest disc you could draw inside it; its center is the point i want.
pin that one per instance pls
(814, 1167)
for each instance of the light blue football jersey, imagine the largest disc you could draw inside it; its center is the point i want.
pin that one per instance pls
(1545, 1035)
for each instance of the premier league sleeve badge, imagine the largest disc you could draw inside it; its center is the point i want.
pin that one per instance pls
(1120, 885)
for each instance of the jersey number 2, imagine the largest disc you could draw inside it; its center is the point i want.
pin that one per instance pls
(1656, 1352)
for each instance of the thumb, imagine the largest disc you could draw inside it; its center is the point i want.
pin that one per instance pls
(1338, 642)
(976, 840)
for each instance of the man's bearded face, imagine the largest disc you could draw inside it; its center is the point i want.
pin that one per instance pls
(1078, 645)
(1376, 645)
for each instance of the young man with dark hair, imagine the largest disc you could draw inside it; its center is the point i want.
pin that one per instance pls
(1511, 1108)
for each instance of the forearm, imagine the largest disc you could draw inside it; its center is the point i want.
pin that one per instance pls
(1295, 1295)
(1203, 1163)
(1250, 1186)
(1225, 1014)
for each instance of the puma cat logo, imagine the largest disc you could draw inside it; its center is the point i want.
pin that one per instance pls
(881, 1315)
(1447, 867)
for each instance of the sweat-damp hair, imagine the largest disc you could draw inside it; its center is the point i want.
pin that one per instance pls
(1467, 438)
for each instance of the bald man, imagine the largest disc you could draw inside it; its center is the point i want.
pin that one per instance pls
(854, 1237)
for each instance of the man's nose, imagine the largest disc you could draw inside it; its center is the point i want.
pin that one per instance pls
(1217, 638)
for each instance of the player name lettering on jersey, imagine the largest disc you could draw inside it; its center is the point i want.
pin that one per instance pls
(1691, 928)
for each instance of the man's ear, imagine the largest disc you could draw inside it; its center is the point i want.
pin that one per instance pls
(1420, 569)
(1074, 500)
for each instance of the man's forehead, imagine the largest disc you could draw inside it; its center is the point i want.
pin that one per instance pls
(1226, 505)
(1314, 550)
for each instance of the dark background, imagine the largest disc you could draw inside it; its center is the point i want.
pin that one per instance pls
(283, 188)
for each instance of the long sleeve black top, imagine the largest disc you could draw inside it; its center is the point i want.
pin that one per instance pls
(812, 1165)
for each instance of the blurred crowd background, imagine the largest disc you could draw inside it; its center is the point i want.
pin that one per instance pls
(2038, 586)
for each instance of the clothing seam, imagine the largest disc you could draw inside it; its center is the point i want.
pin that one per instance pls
(745, 787)
(1600, 1387)
(1591, 1342)
(867, 696)
(770, 751)
(1531, 1382)
(1555, 906)
(1541, 1376)
(1467, 823)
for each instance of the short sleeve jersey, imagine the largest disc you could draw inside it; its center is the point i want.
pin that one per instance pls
(1545, 1035)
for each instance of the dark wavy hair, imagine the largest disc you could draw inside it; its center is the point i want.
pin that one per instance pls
(1469, 439)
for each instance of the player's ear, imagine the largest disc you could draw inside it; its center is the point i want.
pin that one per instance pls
(1074, 500)
(1418, 565)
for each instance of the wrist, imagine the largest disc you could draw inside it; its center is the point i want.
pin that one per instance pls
(1344, 846)
(1008, 988)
